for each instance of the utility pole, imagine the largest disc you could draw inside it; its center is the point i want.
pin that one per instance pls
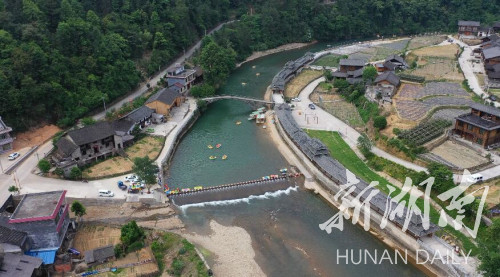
(38, 158)
(1, 166)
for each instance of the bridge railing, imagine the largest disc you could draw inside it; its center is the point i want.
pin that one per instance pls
(242, 97)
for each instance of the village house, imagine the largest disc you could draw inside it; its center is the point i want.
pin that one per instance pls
(87, 144)
(5, 138)
(36, 226)
(180, 79)
(100, 255)
(164, 100)
(141, 117)
(350, 70)
(481, 125)
(468, 28)
(496, 27)
(391, 63)
(484, 31)
(18, 265)
(493, 72)
(491, 55)
(289, 71)
(387, 84)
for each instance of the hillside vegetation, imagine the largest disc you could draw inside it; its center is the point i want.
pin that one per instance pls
(60, 58)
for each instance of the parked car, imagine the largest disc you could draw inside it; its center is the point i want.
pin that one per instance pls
(131, 178)
(121, 185)
(14, 156)
(296, 99)
(106, 193)
(475, 178)
(312, 107)
(493, 98)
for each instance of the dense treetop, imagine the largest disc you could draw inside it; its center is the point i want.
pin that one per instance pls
(60, 58)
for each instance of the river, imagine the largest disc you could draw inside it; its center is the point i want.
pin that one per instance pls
(284, 228)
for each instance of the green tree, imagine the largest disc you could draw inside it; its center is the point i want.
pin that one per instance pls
(443, 177)
(380, 122)
(13, 189)
(146, 170)
(369, 74)
(78, 209)
(365, 145)
(87, 121)
(201, 91)
(44, 165)
(75, 173)
(131, 233)
(328, 75)
(489, 250)
(216, 61)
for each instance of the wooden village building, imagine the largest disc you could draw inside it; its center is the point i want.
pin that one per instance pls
(481, 125)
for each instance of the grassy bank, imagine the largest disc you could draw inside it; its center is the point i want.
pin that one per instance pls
(341, 151)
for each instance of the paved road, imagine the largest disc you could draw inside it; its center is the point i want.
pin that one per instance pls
(32, 183)
(154, 81)
(319, 119)
(466, 67)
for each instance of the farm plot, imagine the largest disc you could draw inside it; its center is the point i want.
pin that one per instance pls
(444, 51)
(415, 109)
(338, 107)
(419, 42)
(459, 155)
(294, 87)
(424, 132)
(328, 60)
(380, 52)
(434, 88)
(448, 114)
(437, 69)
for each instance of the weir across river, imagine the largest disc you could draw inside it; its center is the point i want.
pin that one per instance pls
(236, 190)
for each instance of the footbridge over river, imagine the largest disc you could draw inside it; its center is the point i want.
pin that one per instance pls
(239, 190)
(254, 102)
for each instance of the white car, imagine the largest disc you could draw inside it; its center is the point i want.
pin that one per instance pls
(131, 178)
(106, 193)
(14, 156)
(296, 99)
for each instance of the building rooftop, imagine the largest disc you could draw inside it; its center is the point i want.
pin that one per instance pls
(98, 131)
(388, 76)
(487, 109)
(165, 95)
(352, 62)
(99, 254)
(38, 206)
(479, 121)
(469, 23)
(491, 52)
(3, 127)
(11, 236)
(18, 265)
(139, 114)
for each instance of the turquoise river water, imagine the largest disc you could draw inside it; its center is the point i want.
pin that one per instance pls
(284, 228)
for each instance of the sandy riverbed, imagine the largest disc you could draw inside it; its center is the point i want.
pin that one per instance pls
(233, 248)
(281, 48)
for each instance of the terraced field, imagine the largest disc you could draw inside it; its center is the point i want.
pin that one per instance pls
(417, 109)
(435, 88)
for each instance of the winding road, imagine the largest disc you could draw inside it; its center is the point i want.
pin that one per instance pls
(154, 81)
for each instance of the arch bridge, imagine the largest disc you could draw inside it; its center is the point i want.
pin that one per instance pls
(254, 102)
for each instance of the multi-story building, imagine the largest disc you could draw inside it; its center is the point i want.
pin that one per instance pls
(38, 224)
(468, 28)
(5, 138)
(481, 125)
(180, 79)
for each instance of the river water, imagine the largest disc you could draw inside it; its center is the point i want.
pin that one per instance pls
(283, 226)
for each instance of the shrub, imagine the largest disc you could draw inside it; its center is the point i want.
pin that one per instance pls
(396, 131)
(59, 172)
(131, 233)
(44, 165)
(86, 121)
(135, 246)
(182, 251)
(13, 189)
(119, 250)
(177, 267)
(380, 122)
(75, 173)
